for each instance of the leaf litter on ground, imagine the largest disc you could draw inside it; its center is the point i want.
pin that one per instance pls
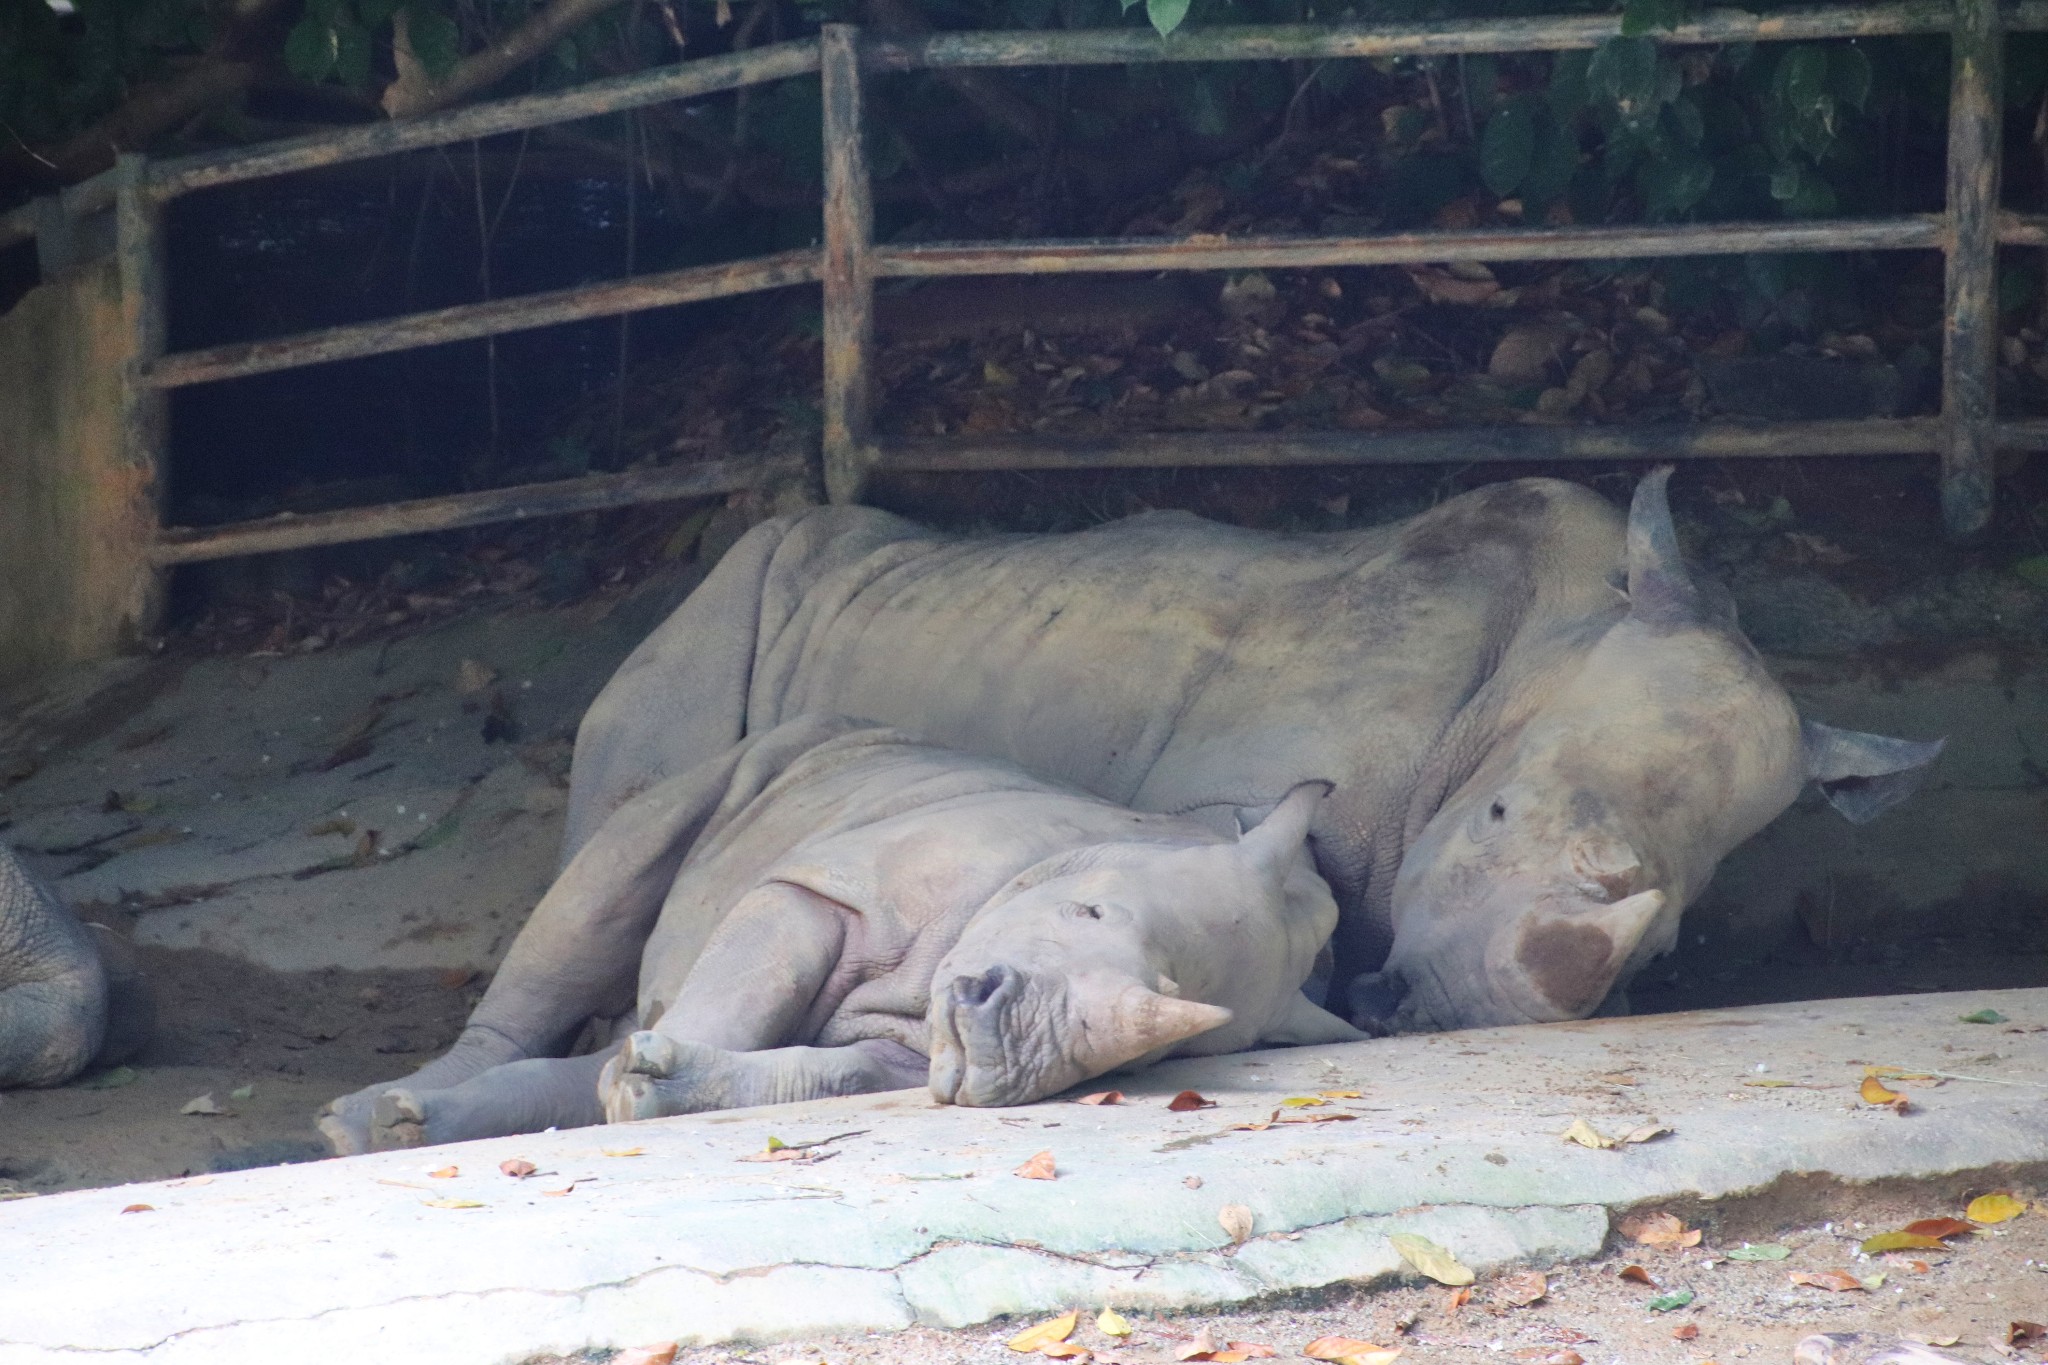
(1997, 1207)
(1659, 1229)
(1040, 1167)
(1431, 1259)
(1045, 1333)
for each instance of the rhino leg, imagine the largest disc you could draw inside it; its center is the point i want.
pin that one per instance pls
(577, 958)
(655, 1076)
(53, 985)
(518, 1097)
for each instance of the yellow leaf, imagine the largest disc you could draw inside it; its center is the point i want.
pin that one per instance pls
(1045, 1333)
(445, 1173)
(1899, 1241)
(1659, 1229)
(1586, 1135)
(1303, 1102)
(624, 1151)
(1431, 1259)
(1994, 1208)
(1236, 1221)
(451, 1203)
(1040, 1167)
(1111, 1323)
(1342, 1094)
(1875, 1091)
(1349, 1351)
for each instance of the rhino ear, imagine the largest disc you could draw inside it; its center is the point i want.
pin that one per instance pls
(1271, 845)
(1660, 591)
(1862, 775)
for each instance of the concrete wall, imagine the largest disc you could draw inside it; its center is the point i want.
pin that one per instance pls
(75, 515)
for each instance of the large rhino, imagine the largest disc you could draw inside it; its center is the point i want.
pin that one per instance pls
(855, 910)
(1543, 733)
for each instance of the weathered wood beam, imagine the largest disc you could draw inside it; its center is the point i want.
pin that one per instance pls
(689, 80)
(468, 321)
(592, 493)
(1084, 255)
(1450, 37)
(139, 261)
(1460, 445)
(849, 282)
(1969, 359)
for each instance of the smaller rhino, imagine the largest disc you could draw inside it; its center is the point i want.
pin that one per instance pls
(887, 914)
(71, 994)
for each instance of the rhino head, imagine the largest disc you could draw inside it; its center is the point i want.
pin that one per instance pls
(1117, 953)
(1644, 746)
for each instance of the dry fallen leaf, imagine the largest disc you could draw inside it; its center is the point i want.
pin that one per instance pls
(1637, 1274)
(1521, 1289)
(1841, 1281)
(1338, 1348)
(1645, 1133)
(2020, 1332)
(1236, 1221)
(1045, 1333)
(1040, 1167)
(1586, 1135)
(517, 1168)
(624, 1151)
(1874, 1091)
(1431, 1259)
(1187, 1101)
(1203, 1347)
(451, 1203)
(1065, 1350)
(204, 1106)
(1899, 1241)
(1659, 1229)
(1193, 1182)
(1686, 1331)
(1457, 1298)
(1342, 1094)
(662, 1354)
(1547, 1355)
(472, 677)
(1999, 1207)
(445, 1173)
(140, 1208)
(1111, 1323)
(1939, 1227)
(1102, 1097)
(1303, 1102)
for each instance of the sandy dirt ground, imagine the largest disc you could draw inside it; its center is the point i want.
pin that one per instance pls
(1970, 1295)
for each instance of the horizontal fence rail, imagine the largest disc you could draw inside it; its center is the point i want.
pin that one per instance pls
(849, 261)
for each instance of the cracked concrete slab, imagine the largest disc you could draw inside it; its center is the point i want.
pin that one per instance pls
(912, 1213)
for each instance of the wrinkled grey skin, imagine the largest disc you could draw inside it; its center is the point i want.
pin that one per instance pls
(885, 914)
(71, 996)
(1521, 646)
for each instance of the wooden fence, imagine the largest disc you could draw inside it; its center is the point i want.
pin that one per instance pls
(1966, 436)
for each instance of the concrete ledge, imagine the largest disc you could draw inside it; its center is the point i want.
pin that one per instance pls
(918, 1219)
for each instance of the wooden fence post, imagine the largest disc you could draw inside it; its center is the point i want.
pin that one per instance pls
(849, 282)
(139, 259)
(1970, 332)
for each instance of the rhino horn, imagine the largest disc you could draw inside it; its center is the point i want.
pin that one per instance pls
(1272, 845)
(1864, 775)
(1660, 591)
(1122, 1021)
(1570, 961)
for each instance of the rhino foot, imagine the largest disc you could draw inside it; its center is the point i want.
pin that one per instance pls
(345, 1122)
(398, 1120)
(655, 1076)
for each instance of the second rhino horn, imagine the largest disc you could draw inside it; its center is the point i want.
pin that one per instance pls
(1660, 590)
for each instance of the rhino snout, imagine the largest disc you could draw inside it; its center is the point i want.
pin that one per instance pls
(968, 1028)
(1375, 1000)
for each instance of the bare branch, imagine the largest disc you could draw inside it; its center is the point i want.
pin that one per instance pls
(415, 93)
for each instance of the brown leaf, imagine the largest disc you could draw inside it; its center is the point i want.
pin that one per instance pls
(517, 1168)
(445, 1173)
(1440, 286)
(1102, 1097)
(140, 1208)
(1188, 1101)
(1939, 1227)
(1040, 1167)
(1549, 1355)
(1254, 1350)
(1236, 1221)
(1637, 1274)
(1659, 1229)
(2021, 1332)
(1193, 1182)
(1841, 1281)
(1045, 1333)
(1203, 1347)
(1457, 1298)
(663, 1353)
(1686, 1331)
(1065, 1350)
(1336, 1348)
(1521, 1289)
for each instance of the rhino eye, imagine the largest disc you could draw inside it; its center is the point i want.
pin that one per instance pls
(1084, 911)
(1497, 811)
